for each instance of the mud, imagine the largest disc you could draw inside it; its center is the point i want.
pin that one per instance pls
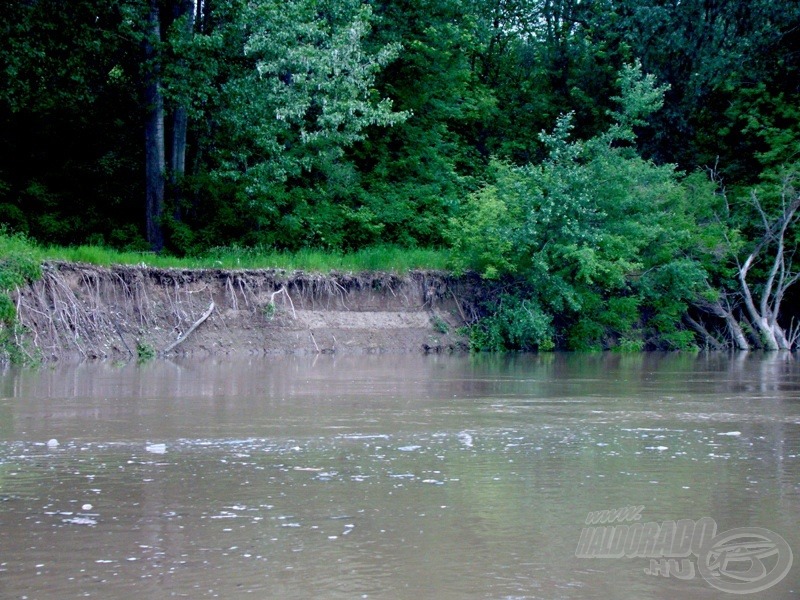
(85, 311)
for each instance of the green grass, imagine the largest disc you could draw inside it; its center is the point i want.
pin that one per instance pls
(379, 258)
(18, 266)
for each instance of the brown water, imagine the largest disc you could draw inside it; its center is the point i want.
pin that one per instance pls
(384, 476)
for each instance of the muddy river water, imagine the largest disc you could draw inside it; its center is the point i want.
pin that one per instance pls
(402, 477)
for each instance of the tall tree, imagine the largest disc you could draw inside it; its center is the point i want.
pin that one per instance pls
(183, 19)
(414, 175)
(710, 51)
(155, 163)
(71, 144)
(301, 95)
(576, 228)
(168, 76)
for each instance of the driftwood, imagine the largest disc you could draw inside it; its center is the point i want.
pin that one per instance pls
(189, 331)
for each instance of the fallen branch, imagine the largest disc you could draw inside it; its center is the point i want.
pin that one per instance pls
(196, 324)
(708, 339)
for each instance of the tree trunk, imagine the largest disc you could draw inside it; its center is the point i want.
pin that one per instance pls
(202, 19)
(180, 126)
(154, 133)
(734, 329)
(182, 9)
(780, 337)
(739, 339)
(780, 275)
(708, 339)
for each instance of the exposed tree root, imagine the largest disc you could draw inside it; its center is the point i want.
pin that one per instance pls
(87, 311)
(283, 291)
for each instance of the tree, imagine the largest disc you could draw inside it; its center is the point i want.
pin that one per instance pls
(750, 298)
(777, 250)
(173, 77)
(302, 95)
(578, 227)
(155, 162)
(712, 53)
(183, 16)
(70, 121)
(414, 174)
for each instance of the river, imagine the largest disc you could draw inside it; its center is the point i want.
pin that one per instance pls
(398, 477)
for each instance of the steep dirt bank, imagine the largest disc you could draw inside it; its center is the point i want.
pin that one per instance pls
(88, 311)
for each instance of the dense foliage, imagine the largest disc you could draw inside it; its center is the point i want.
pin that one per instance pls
(628, 167)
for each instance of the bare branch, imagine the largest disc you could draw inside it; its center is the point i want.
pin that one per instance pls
(708, 339)
(196, 324)
(762, 214)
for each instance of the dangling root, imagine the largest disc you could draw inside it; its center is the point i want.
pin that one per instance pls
(99, 312)
(283, 291)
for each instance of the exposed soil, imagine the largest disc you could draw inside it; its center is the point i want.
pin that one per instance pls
(96, 312)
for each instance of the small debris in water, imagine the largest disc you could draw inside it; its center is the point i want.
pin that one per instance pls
(53, 443)
(156, 448)
(465, 438)
(80, 521)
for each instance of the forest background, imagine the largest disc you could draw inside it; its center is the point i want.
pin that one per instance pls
(625, 170)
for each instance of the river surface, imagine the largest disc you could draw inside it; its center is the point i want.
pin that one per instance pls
(393, 477)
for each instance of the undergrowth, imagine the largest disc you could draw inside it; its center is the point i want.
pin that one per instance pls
(19, 266)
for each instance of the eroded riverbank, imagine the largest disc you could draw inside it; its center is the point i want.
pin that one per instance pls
(86, 311)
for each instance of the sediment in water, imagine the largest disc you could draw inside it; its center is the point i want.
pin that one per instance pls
(80, 310)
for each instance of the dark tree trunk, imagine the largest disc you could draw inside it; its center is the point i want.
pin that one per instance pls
(154, 133)
(182, 9)
(180, 126)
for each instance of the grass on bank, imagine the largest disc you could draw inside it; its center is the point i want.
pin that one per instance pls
(379, 258)
(21, 259)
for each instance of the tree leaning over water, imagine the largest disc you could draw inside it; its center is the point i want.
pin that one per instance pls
(611, 250)
(751, 301)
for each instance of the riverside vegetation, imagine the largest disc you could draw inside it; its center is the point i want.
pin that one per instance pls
(623, 172)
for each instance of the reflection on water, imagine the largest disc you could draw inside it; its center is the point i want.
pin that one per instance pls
(384, 476)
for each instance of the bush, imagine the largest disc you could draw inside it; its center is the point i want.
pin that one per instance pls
(514, 323)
